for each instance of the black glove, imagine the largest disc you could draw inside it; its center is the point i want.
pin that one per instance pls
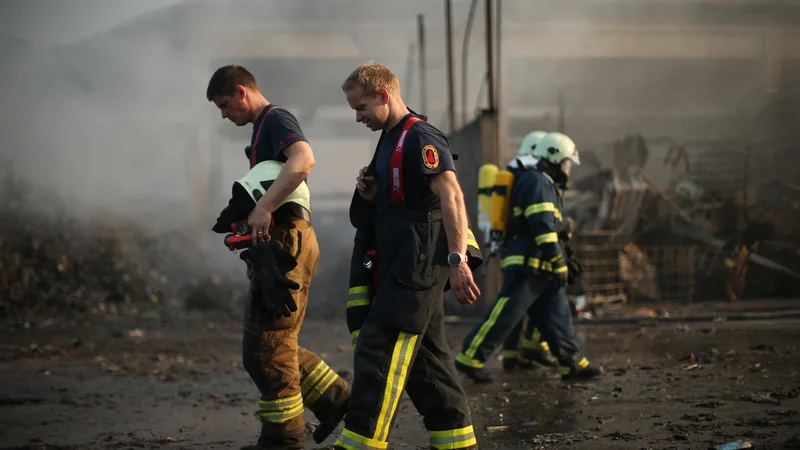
(269, 285)
(574, 267)
(561, 278)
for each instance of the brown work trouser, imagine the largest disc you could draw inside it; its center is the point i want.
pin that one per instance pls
(288, 376)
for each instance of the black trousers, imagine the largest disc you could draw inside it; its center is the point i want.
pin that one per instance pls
(523, 294)
(388, 360)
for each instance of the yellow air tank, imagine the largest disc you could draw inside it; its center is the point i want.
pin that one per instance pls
(486, 175)
(501, 203)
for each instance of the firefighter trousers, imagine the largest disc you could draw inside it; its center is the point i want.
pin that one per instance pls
(531, 337)
(388, 360)
(289, 377)
(523, 293)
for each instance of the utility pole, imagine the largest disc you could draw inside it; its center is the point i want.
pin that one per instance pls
(464, 58)
(451, 94)
(423, 86)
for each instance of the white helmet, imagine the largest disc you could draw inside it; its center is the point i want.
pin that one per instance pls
(556, 147)
(258, 179)
(530, 142)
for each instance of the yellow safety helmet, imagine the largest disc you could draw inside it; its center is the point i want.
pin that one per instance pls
(530, 142)
(259, 179)
(556, 147)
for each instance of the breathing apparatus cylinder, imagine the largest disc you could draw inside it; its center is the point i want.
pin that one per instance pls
(500, 205)
(486, 176)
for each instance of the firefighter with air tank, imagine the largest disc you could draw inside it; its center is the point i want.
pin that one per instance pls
(526, 226)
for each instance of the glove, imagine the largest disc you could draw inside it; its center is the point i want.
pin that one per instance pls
(561, 278)
(269, 285)
(565, 234)
(574, 267)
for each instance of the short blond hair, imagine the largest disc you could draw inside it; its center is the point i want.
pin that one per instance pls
(372, 76)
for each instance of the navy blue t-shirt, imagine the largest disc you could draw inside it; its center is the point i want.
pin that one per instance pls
(280, 130)
(426, 152)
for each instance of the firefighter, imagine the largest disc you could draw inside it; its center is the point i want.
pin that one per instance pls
(534, 266)
(281, 264)
(407, 197)
(534, 348)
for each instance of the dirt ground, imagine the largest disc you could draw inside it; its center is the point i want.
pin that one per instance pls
(156, 385)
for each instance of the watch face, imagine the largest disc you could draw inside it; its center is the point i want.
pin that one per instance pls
(454, 259)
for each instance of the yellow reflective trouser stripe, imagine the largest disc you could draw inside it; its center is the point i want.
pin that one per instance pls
(358, 296)
(354, 441)
(583, 363)
(281, 410)
(395, 381)
(354, 337)
(546, 238)
(471, 242)
(510, 353)
(564, 369)
(469, 362)
(531, 344)
(453, 439)
(317, 382)
(535, 263)
(486, 327)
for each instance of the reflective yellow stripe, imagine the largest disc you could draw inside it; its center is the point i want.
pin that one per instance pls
(281, 410)
(517, 211)
(537, 208)
(453, 439)
(321, 387)
(564, 370)
(535, 263)
(583, 363)
(354, 337)
(474, 363)
(312, 379)
(358, 296)
(395, 382)
(531, 344)
(471, 242)
(486, 327)
(545, 346)
(510, 354)
(354, 441)
(561, 269)
(546, 238)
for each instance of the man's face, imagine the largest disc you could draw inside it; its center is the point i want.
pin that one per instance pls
(371, 111)
(235, 108)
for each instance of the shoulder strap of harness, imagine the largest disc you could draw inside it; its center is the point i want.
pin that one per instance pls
(396, 165)
(253, 147)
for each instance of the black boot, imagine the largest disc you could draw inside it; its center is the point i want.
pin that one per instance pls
(580, 372)
(324, 429)
(539, 356)
(480, 376)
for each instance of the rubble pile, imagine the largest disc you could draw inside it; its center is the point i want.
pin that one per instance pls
(55, 267)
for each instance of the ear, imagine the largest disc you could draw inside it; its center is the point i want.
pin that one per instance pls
(241, 92)
(384, 95)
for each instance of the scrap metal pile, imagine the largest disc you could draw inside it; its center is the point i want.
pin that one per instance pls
(713, 230)
(56, 268)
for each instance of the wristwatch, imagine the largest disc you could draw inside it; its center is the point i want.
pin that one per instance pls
(455, 259)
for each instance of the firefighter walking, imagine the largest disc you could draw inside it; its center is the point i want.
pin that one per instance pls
(408, 196)
(281, 264)
(534, 265)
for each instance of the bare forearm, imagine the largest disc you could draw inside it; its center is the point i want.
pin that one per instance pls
(454, 218)
(294, 172)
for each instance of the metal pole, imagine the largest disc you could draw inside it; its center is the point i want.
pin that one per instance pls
(498, 78)
(451, 94)
(423, 88)
(409, 71)
(490, 53)
(464, 57)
